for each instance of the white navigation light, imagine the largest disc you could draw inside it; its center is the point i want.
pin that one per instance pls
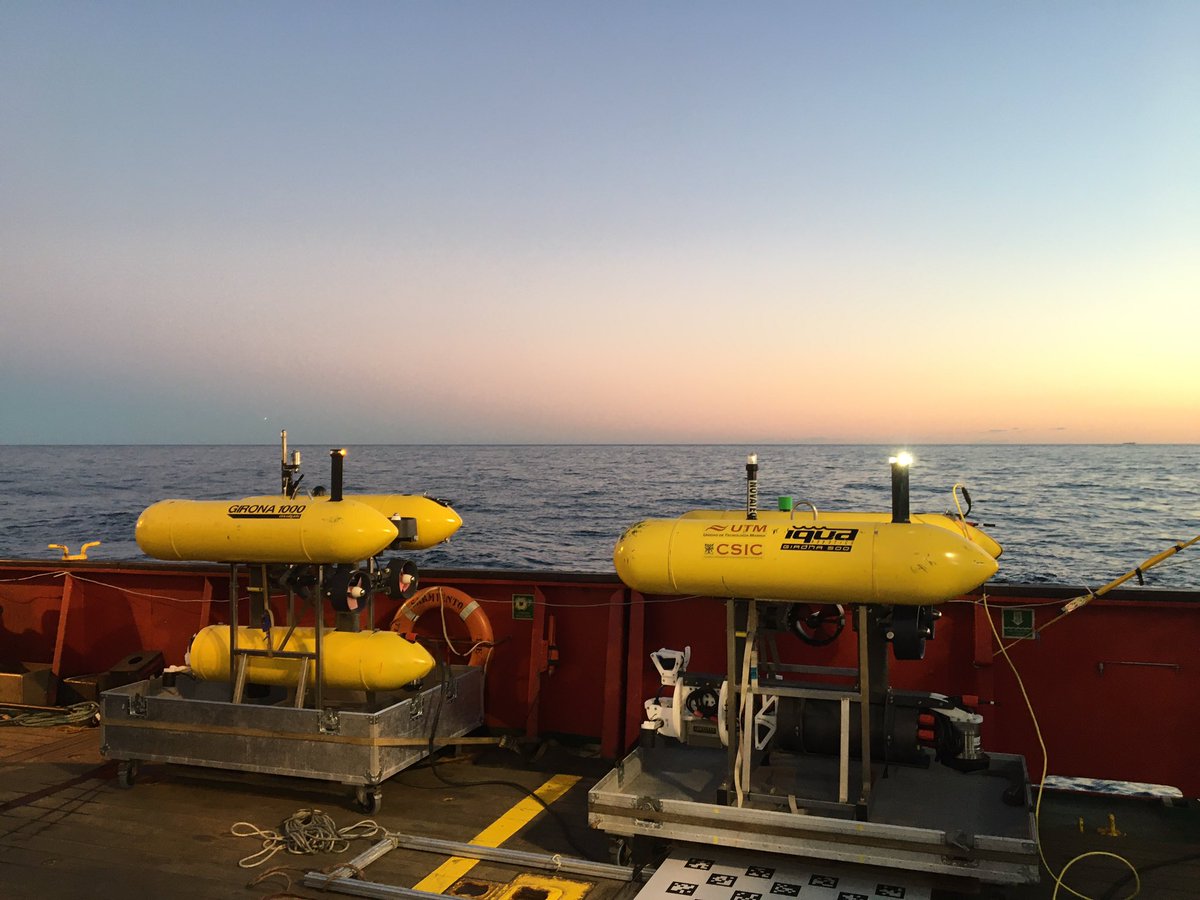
(901, 459)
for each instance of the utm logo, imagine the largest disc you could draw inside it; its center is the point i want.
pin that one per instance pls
(749, 529)
(816, 538)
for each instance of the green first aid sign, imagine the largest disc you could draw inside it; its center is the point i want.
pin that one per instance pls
(1016, 624)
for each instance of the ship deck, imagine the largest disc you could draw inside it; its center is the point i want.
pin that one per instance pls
(68, 830)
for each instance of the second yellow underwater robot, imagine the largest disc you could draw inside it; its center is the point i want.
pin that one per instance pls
(361, 661)
(280, 529)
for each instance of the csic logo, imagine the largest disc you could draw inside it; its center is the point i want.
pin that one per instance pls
(726, 550)
(814, 537)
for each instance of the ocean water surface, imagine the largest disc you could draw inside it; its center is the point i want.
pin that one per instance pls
(1068, 514)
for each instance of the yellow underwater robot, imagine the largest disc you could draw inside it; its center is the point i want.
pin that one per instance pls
(322, 538)
(843, 557)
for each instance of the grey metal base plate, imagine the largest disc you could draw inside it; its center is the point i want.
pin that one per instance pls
(931, 820)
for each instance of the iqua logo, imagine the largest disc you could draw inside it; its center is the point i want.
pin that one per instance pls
(813, 537)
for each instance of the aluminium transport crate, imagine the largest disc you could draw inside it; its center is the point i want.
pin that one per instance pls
(361, 741)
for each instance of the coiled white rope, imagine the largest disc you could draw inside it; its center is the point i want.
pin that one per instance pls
(304, 832)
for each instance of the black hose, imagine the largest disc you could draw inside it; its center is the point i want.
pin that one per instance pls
(563, 827)
(434, 767)
(1125, 879)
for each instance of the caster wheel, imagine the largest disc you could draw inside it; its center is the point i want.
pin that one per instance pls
(637, 851)
(620, 851)
(369, 798)
(127, 773)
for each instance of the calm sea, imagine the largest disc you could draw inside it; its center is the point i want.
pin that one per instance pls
(1076, 515)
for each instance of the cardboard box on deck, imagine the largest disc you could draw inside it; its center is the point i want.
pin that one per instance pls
(25, 683)
(29, 683)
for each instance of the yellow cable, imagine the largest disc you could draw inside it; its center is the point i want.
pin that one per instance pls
(1037, 808)
(962, 519)
(1137, 881)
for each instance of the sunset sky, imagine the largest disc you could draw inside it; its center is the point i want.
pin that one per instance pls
(394, 222)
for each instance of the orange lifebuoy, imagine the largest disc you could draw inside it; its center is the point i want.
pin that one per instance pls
(453, 600)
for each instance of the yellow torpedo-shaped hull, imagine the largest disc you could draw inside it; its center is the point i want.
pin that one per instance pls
(361, 661)
(264, 530)
(278, 529)
(435, 521)
(847, 561)
(802, 516)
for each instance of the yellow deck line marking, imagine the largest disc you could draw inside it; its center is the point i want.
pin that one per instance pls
(496, 834)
